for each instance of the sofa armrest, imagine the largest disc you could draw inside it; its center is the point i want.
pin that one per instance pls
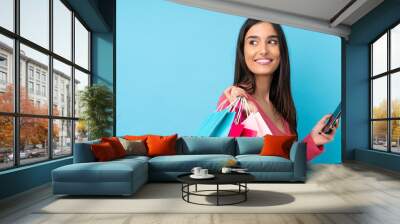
(298, 157)
(83, 152)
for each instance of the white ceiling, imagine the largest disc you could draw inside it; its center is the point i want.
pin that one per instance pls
(327, 16)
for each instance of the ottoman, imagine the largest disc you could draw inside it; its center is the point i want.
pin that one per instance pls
(119, 177)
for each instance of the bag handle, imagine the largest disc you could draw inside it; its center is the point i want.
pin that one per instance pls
(246, 106)
(239, 113)
(231, 106)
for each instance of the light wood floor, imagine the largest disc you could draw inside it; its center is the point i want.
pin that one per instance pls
(378, 188)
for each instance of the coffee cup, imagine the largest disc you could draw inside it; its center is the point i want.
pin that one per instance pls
(203, 172)
(226, 170)
(196, 171)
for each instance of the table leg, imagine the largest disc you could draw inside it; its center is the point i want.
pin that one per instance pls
(188, 190)
(217, 194)
(245, 193)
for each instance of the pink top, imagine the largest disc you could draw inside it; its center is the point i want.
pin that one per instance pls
(312, 149)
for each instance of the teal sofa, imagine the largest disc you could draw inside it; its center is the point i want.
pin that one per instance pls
(125, 176)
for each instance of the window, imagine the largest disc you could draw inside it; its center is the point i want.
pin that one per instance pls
(3, 78)
(3, 61)
(37, 75)
(30, 87)
(38, 89)
(62, 74)
(44, 91)
(6, 142)
(62, 137)
(81, 81)
(30, 72)
(7, 14)
(44, 131)
(6, 73)
(385, 91)
(81, 45)
(62, 31)
(35, 21)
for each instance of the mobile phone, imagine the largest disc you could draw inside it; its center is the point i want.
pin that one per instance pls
(327, 129)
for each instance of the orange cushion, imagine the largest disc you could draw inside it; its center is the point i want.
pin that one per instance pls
(116, 145)
(161, 145)
(134, 137)
(103, 151)
(277, 145)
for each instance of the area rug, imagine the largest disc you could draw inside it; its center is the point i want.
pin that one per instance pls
(167, 198)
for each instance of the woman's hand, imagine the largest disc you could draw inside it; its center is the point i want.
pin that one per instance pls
(318, 136)
(233, 92)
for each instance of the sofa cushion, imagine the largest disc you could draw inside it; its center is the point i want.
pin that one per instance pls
(195, 145)
(185, 163)
(112, 171)
(136, 137)
(103, 152)
(275, 145)
(257, 163)
(249, 145)
(134, 147)
(161, 145)
(116, 145)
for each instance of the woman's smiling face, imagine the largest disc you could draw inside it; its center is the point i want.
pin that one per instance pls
(261, 49)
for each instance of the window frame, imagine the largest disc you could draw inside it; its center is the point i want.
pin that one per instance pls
(16, 115)
(388, 74)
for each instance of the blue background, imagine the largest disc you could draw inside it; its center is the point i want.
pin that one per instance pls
(174, 61)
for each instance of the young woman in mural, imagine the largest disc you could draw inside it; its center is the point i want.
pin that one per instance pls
(262, 76)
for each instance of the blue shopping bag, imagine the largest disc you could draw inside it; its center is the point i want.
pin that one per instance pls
(219, 123)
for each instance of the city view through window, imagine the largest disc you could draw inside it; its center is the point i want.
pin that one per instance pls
(39, 113)
(385, 91)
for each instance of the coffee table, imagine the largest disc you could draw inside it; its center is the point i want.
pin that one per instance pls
(238, 179)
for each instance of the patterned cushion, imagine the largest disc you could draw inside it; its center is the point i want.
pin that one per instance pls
(134, 147)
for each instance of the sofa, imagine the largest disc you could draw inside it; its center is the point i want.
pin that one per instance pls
(126, 175)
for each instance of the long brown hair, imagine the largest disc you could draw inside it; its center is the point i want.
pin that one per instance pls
(280, 92)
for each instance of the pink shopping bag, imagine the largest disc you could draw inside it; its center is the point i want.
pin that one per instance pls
(257, 124)
(237, 127)
(248, 133)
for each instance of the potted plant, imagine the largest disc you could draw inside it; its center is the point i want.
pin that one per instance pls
(96, 102)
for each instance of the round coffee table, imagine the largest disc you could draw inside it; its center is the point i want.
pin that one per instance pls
(238, 179)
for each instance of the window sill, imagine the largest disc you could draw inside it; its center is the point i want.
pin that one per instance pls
(25, 167)
(382, 159)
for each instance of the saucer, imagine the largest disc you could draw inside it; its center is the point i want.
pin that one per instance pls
(208, 176)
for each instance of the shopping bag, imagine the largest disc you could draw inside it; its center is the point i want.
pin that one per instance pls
(218, 124)
(237, 127)
(223, 127)
(256, 123)
(248, 132)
